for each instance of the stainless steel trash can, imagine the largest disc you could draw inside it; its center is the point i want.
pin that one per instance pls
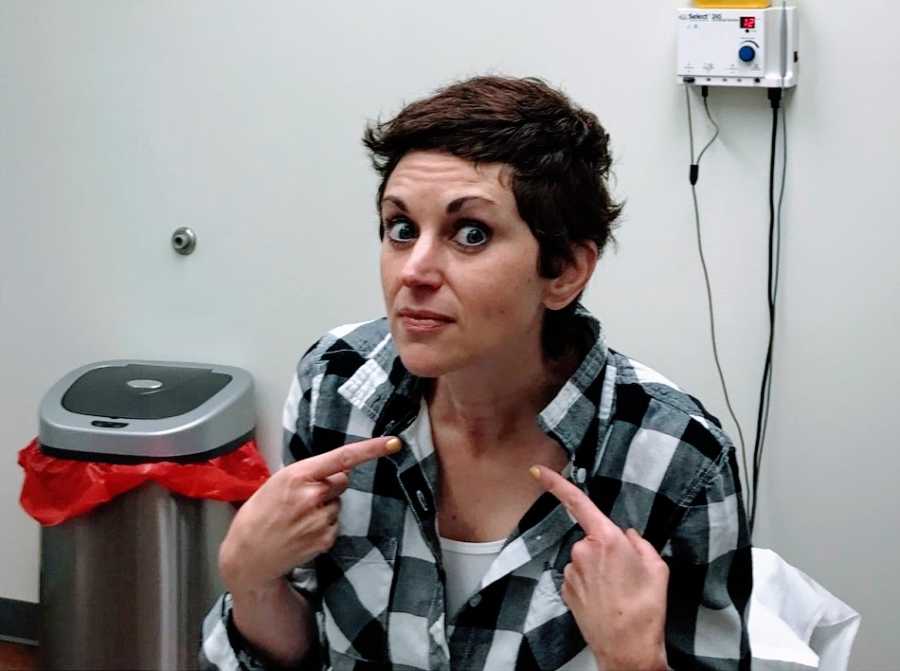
(126, 585)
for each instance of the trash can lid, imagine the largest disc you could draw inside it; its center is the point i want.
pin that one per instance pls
(136, 411)
(141, 391)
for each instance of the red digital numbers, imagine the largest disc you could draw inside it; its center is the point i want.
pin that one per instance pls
(748, 22)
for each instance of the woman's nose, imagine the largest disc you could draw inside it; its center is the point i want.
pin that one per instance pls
(422, 266)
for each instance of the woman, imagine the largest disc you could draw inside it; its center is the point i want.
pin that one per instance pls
(477, 481)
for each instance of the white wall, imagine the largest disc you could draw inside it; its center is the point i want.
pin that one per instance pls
(120, 121)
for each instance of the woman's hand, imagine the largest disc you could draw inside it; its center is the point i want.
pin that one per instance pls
(292, 518)
(615, 585)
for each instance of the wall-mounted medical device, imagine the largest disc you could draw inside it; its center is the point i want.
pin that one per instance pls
(738, 47)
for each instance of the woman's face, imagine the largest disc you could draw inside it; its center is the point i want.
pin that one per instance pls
(458, 266)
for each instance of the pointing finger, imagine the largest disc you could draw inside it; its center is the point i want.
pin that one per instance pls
(588, 516)
(643, 547)
(336, 485)
(345, 458)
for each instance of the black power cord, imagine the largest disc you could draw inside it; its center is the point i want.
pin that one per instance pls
(765, 391)
(777, 242)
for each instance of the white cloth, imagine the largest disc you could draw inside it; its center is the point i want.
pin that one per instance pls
(464, 566)
(794, 622)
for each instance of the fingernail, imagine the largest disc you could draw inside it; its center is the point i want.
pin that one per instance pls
(535, 472)
(393, 445)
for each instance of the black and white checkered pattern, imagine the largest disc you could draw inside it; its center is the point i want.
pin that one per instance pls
(648, 454)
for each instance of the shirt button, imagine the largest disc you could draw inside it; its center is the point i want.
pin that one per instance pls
(422, 501)
(580, 476)
(475, 600)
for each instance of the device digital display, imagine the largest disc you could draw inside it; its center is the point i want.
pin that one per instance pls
(748, 22)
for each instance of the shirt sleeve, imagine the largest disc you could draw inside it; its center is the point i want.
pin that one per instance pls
(223, 648)
(710, 577)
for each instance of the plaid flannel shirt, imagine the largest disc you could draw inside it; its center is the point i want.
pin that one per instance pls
(648, 455)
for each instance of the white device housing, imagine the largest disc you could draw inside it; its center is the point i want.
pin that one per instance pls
(714, 46)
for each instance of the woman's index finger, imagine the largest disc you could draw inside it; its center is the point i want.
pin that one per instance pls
(588, 516)
(346, 457)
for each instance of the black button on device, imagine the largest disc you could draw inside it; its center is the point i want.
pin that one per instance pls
(109, 425)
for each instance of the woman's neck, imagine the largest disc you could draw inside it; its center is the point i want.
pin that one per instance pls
(490, 404)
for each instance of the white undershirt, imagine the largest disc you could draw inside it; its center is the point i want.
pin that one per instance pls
(465, 564)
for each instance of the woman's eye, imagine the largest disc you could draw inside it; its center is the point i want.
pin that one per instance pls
(471, 235)
(401, 231)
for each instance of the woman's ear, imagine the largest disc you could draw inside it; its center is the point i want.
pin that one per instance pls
(563, 289)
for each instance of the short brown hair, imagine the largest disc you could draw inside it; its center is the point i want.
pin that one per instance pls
(558, 152)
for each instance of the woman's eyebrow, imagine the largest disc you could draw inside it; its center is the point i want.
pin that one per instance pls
(396, 201)
(456, 204)
(453, 206)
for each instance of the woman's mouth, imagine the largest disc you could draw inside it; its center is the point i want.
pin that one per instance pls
(423, 321)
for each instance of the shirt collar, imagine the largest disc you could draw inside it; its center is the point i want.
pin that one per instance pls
(570, 415)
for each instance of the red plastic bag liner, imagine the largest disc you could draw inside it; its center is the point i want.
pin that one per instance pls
(56, 490)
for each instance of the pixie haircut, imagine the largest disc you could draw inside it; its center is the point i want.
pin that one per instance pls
(558, 154)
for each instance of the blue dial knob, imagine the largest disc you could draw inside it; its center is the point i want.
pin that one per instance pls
(747, 53)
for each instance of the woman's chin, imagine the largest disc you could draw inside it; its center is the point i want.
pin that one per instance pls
(424, 361)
